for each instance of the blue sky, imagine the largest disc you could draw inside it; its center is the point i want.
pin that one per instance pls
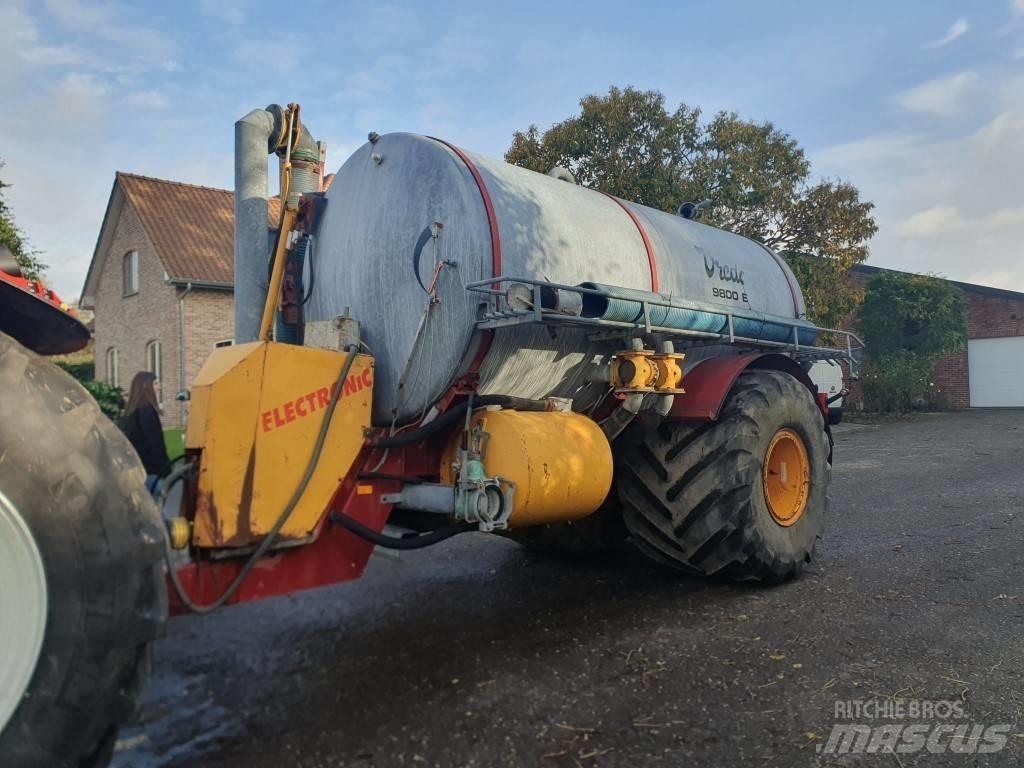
(920, 104)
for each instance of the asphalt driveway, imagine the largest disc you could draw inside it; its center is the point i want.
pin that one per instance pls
(476, 653)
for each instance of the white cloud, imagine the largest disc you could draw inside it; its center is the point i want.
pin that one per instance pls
(78, 94)
(943, 96)
(1018, 6)
(958, 29)
(948, 205)
(137, 44)
(936, 220)
(223, 10)
(150, 99)
(944, 219)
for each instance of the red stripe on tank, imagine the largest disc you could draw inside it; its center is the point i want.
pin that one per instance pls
(643, 235)
(492, 223)
(492, 219)
(785, 274)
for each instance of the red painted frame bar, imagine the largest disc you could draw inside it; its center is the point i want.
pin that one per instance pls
(709, 382)
(336, 555)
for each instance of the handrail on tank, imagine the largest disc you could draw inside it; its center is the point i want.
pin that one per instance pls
(499, 318)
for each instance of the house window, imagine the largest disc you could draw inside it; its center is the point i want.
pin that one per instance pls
(130, 272)
(113, 368)
(223, 343)
(155, 365)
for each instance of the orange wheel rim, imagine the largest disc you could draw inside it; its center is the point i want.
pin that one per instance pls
(787, 477)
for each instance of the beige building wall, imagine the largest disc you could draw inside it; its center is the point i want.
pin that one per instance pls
(209, 319)
(129, 323)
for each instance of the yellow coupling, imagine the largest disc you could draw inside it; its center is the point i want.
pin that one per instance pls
(559, 462)
(647, 371)
(179, 532)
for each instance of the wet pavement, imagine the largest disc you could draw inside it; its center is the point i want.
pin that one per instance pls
(478, 653)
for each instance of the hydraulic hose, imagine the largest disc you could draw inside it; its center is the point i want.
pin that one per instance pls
(453, 414)
(397, 542)
(268, 540)
(837, 396)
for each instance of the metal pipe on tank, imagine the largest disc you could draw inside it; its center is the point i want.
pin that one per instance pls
(258, 134)
(253, 136)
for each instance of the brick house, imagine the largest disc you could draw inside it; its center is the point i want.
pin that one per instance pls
(160, 283)
(989, 371)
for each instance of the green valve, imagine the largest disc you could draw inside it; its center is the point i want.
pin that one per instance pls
(475, 471)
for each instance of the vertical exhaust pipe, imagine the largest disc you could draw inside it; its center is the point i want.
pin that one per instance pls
(256, 136)
(260, 133)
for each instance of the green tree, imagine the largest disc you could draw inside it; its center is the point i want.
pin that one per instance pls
(907, 321)
(627, 143)
(16, 242)
(922, 314)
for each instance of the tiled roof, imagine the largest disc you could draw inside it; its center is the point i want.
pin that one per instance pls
(191, 227)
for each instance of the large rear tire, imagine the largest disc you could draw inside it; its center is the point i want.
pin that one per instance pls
(694, 497)
(91, 541)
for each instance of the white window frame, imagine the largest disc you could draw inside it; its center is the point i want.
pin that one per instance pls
(223, 343)
(130, 273)
(155, 365)
(113, 363)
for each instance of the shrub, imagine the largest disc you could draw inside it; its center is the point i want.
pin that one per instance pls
(109, 398)
(897, 382)
(907, 321)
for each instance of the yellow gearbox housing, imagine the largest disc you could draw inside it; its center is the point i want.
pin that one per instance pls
(560, 462)
(256, 410)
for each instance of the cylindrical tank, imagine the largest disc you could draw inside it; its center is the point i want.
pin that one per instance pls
(560, 463)
(408, 213)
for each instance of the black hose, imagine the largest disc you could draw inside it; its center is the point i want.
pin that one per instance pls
(395, 542)
(453, 414)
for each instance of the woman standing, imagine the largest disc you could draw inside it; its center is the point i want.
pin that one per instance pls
(141, 424)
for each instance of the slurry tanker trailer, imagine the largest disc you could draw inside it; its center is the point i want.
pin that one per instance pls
(433, 343)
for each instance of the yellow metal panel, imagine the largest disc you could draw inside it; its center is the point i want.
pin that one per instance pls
(296, 390)
(257, 410)
(561, 463)
(220, 362)
(229, 387)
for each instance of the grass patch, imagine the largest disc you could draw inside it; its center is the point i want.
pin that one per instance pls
(174, 441)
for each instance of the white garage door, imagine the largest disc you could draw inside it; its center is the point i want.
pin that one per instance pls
(996, 369)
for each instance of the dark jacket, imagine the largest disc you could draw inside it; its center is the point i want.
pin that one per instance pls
(147, 437)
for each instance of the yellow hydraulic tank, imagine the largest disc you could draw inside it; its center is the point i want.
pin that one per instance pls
(560, 462)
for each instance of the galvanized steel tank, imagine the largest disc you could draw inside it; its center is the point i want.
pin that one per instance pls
(374, 255)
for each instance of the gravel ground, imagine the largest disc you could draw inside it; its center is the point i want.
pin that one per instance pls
(477, 653)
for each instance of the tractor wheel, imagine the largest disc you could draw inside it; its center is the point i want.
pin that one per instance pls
(81, 584)
(593, 535)
(743, 497)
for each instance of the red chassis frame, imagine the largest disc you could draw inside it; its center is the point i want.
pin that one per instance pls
(338, 555)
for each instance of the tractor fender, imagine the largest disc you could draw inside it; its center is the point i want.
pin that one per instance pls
(708, 383)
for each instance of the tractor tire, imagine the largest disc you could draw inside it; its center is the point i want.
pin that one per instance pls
(694, 496)
(81, 581)
(588, 537)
